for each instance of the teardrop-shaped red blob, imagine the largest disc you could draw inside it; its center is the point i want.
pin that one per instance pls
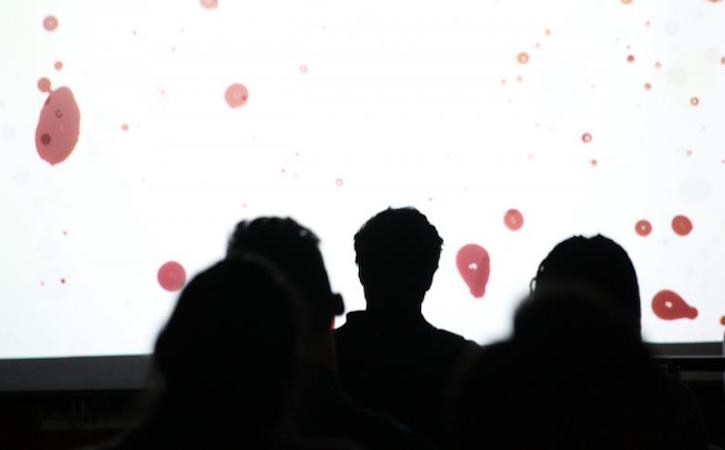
(668, 305)
(58, 126)
(474, 265)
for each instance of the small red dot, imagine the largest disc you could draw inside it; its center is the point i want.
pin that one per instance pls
(694, 101)
(124, 127)
(643, 228)
(50, 23)
(513, 219)
(209, 4)
(681, 225)
(58, 65)
(688, 152)
(236, 95)
(547, 32)
(648, 86)
(658, 65)
(722, 321)
(303, 68)
(586, 138)
(339, 182)
(62, 280)
(594, 162)
(44, 85)
(522, 58)
(630, 58)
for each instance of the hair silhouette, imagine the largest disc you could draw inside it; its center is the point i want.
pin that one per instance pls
(294, 249)
(599, 263)
(397, 253)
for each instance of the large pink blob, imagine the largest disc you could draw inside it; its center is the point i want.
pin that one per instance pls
(668, 305)
(474, 265)
(58, 126)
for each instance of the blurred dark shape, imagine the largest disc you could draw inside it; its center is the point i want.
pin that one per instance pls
(227, 360)
(323, 409)
(599, 263)
(575, 375)
(391, 359)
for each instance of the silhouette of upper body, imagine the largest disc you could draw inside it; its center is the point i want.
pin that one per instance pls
(391, 359)
(577, 362)
(574, 376)
(227, 362)
(323, 409)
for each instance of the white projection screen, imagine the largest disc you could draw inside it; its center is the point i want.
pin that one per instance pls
(135, 134)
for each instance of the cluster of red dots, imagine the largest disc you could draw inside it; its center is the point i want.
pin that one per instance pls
(681, 226)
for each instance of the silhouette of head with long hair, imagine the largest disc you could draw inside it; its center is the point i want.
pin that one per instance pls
(597, 263)
(397, 253)
(227, 357)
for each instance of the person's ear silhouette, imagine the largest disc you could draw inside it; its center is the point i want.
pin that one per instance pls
(338, 304)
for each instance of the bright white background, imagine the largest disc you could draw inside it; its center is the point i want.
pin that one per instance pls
(402, 100)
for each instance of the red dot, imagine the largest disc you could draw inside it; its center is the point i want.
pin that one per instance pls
(209, 4)
(593, 162)
(643, 228)
(124, 127)
(648, 86)
(513, 219)
(44, 85)
(45, 139)
(303, 68)
(58, 65)
(668, 305)
(50, 23)
(339, 182)
(722, 320)
(658, 65)
(236, 95)
(681, 225)
(171, 276)
(630, 58)
(688, 152)
(694, 101)
(522, 58)
(62, 281)
(586, 138)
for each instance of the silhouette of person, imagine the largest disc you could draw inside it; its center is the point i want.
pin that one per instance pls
(597, 262)
(323, 409)
(391, 359)
(600, 264)
(228, 362)
(574, 375)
